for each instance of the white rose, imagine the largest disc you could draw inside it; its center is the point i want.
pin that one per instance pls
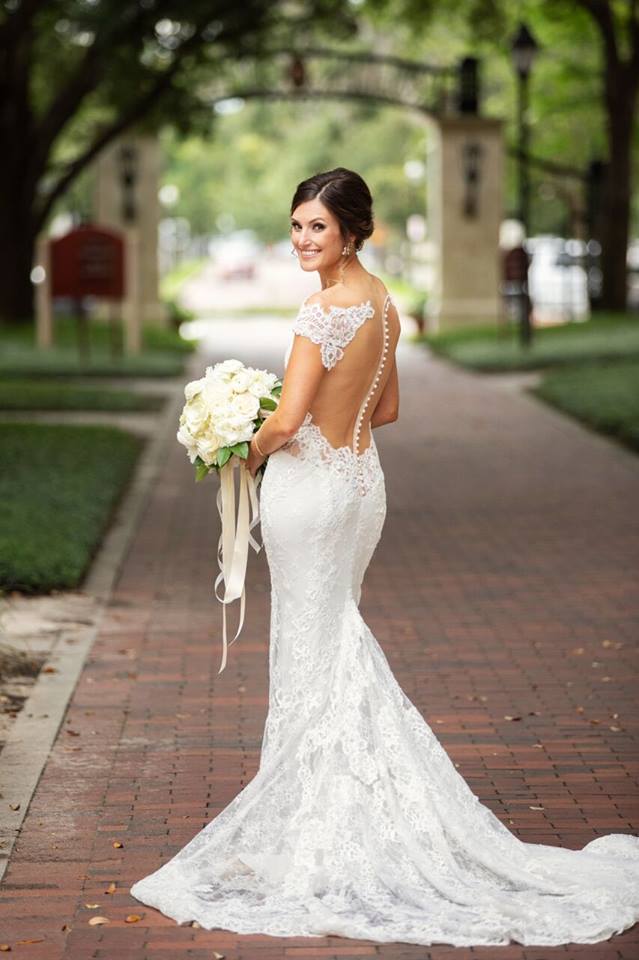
(192, 389)
(187, 440)
(261, 383)
(207, 447)
(240, 381)
(217, 394)
(233, 430)
(225, 370)
(196, 414)
(245, 405)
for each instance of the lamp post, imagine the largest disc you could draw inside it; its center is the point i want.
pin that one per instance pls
(524, 49)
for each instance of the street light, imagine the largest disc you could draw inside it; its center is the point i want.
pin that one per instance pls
(524, 49)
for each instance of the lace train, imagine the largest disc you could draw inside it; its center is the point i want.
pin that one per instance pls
(357, 822)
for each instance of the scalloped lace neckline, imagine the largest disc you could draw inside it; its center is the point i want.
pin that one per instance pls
(333, 308)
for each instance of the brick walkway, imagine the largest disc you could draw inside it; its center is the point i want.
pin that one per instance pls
(503, 593)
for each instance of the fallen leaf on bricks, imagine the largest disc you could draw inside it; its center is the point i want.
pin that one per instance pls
(65, 927)
(98, 921)
(32, 940)
(132, 918)
(615, 716)
(14, 806)
(577, 650)
(616, 729)
(594, 721)
(116, 843)
(530, 807)
(92, 906)
(73, 733)
(606, 643)
(538, 745)
(111, 888)
(49, 670)
(507, 717)
(5, 948)
(580, 709)
(534, 713)
(218, 956)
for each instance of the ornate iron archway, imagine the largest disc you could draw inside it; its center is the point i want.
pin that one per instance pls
(321, 73)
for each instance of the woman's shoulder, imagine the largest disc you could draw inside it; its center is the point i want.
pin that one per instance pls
(340, 297)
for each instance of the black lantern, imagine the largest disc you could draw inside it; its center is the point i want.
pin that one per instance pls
(524, 49)
(128, 158)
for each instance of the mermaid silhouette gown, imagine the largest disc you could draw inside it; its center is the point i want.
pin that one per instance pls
(357, 822)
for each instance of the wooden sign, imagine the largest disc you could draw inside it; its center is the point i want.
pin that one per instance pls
(88, 261)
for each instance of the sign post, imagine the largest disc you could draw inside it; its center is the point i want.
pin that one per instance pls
(89, 261)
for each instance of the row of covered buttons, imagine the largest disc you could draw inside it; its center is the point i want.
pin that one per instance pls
(358, 426)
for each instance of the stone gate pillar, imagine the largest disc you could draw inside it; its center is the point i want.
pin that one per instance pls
(465, 172)
(126, 198)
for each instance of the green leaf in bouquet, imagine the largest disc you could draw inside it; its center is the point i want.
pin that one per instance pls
(223, 455)
(201, 469)
(277, 390)
(267, 403)
(241, 449)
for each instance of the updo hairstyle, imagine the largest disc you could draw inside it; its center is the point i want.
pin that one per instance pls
(346, 195)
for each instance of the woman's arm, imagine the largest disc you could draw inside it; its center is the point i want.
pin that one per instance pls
(302, 378)
(387, 408)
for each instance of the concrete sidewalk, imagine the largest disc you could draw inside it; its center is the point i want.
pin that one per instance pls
(504, 592)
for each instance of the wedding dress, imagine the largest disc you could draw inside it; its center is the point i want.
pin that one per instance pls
(357, 822)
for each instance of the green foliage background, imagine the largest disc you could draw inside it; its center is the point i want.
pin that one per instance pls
(251, 161)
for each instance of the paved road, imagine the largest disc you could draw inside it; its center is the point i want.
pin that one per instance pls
(503, 592)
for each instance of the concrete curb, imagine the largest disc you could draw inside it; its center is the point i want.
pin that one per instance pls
(29, 742)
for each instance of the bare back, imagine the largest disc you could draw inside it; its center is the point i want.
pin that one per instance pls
(358, 339)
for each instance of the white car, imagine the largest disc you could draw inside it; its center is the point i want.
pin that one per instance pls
(557, 276)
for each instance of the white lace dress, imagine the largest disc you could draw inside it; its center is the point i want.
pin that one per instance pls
(357, 822)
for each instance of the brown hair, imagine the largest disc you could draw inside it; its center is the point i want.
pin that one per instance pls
(346, 195)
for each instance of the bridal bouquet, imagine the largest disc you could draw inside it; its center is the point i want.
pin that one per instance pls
(222, 412)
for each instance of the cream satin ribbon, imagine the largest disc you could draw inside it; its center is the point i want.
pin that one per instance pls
(232, 547)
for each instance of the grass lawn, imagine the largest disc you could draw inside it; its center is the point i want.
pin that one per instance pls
(163, 355)
(57, 395)
(603, 395)
(489, 349)
(58, 488)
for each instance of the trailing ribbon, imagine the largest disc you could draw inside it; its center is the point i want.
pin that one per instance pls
(232, 547)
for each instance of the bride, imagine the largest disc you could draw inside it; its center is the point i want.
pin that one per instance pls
(357, 822)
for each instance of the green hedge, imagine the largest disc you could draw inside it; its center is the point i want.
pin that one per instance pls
(493, 349)
(58, 488)
(605, 396)
(55, 395)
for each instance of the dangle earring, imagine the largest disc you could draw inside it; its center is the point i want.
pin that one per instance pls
(347, 251)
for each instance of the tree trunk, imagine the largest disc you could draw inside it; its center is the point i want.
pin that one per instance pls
(18, 177)
(616, 219)
(17, 243)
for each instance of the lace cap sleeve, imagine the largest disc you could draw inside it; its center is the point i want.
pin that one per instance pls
(331, 329)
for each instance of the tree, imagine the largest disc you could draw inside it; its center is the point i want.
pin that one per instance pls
(490, 23)
(75, 75)
(618, 28)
